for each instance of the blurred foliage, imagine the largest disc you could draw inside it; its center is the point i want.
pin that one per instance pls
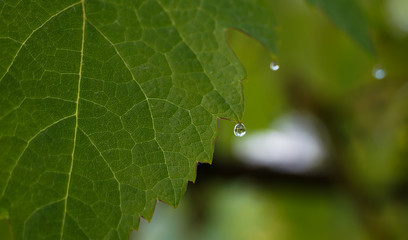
(327, 73)
(4, 230)
(347, 15)
(241, 210)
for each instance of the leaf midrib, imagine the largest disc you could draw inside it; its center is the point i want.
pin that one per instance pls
(85, 20)
(76, 117)
(8, 69)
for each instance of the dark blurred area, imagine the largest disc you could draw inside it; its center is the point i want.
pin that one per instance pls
(325, 155)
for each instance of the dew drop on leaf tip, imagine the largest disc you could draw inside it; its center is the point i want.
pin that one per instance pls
(379, 72)
(274, 66)
(239, 130)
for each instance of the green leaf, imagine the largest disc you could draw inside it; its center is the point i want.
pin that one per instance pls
(348, 16)
(107, 106)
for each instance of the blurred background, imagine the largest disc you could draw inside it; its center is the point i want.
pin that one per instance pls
(326, 150)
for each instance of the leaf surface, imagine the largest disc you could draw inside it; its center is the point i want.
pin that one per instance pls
(107, 106)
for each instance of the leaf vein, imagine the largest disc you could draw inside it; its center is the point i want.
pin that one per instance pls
(188, 45)
(26, 147)
(147, 99)
(76, 117)
(31, 34)
(110, 168)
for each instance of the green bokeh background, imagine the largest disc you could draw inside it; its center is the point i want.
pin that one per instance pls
(323, 72)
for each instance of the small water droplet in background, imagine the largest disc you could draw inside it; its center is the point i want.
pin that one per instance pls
(274, 66)
(239, 130)
(379, 72)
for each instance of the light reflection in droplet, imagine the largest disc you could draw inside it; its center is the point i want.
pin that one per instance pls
(239, 130)
(379, 72)
(274, 66)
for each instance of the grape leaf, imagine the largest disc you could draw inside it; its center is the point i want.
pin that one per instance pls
(106, 106)
(348, 16)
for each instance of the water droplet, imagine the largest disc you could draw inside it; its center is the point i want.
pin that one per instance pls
(274, 66)
(239, 130)
(379, 72)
